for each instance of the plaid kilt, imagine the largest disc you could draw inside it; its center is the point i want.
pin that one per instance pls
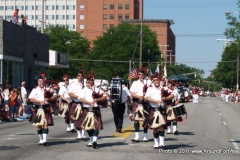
(150, 116)
(48, 115)
(134, 107)
(71, 111)
(97, 115)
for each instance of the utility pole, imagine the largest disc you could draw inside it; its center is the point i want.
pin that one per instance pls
(140, 58)
(42, 22)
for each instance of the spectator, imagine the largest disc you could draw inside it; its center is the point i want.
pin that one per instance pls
(5, 95)
(15, 16)
(24, 19)
(23, 96)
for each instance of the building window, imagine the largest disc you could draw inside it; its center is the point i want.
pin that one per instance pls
(30, 17)
(70, 16)
(111, 16)
(81, 17)
(38, 7)
(105, 16)
(104, 26)
(126, 6)
(111, 25)
(8, 17)
(120, 6)
(71, 26)
(60, 16)
(20, 7)
(126, 16)
(60, 7)
(29, 8)
(8, 7)
(81, 26)
(50, 7)
(105, 6)
(71, 7)
(1, 17)
(81, 7)
(50, 17)
(38, 17)
(120, 16)
(1, 7)
(111, 6)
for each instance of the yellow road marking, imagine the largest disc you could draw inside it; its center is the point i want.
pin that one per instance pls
(116, 134)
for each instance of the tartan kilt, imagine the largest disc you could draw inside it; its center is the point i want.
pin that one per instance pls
(134, 108)
(48, 116)
(71, 111)
(98, 125)
(150, 116)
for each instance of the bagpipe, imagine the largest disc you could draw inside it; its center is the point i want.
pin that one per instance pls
(165, 93)
(98, 95)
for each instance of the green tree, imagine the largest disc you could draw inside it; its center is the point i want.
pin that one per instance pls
(225, 72)
(121, 44)
(70, 42)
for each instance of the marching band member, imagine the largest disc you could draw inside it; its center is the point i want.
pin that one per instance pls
(66, 100)
(137, 90)
(156, 118)
(41, 103)
(227, 91)
(74, 89)
(90, 118)
(195, 94)
(118, 108)
(176, 101)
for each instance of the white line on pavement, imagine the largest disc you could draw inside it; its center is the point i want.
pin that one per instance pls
(224, 123)
(234, 144)
(219, 114)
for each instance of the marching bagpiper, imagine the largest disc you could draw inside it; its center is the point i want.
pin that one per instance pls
(156, 118)
(90, 119)
(66, 101)
(73, 92)
(41, 113)
(138, 90)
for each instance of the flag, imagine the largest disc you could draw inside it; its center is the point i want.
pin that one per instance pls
(133, 73)
(149, 69)
(157, 69)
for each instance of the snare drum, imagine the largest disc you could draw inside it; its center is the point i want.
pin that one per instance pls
(179, 110)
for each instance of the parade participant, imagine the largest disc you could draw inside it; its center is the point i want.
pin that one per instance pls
(37, 97)
(73, 92)
(91, 110)
(156, 100)
(176, 101)
(227, 91)
(24, 97)
(195, 94)
(50, 91)
(66, 100)
(138, 90)
(118, 107)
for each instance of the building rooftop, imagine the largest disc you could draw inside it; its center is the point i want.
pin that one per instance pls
(170, 21)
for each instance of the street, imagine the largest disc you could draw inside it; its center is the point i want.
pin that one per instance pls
(212, 128)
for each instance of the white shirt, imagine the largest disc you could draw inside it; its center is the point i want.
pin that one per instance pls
(75, 88)
(23, 92)
(154, 93)
(86, 94)
(176, 94)
(63, 91)
(37, 93)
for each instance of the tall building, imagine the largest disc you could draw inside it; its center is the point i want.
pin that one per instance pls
(90, 17)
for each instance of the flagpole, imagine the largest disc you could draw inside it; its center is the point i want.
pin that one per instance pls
(140, 58)
(130, 67)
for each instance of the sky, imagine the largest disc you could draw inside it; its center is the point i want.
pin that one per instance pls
(197, 26)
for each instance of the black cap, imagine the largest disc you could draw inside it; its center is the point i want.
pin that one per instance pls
(81, 72)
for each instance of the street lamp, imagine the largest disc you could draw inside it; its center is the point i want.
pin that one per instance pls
(227, 40)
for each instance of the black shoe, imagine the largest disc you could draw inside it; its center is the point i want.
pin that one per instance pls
(73, 131)
(78, 139)
(94, 145)
(134, 140)
(155, 147)
(145, 140)
(85, 139)
(40, 144)
(161, 147)
(45, 144)
(175, 133)
(119, 130)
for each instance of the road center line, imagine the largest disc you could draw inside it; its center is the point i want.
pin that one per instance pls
(234, 144)
(219, 114)
(224, 123)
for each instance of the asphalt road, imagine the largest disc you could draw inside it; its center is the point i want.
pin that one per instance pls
(212, 132)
